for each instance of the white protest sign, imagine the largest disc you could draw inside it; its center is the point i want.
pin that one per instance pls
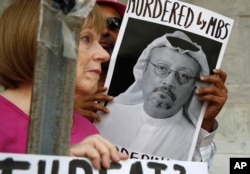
(150, 109)
(43, 164)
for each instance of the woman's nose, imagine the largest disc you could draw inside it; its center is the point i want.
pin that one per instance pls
(102, 54)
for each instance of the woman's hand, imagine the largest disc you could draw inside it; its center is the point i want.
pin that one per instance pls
(99, 150)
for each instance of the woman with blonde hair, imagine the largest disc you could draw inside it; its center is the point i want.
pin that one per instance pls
(18, 47)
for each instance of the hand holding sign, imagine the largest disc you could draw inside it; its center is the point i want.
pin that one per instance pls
(44, 164)
(98, 150)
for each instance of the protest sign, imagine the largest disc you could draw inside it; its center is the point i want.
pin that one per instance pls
(158, 40)
(44, 164)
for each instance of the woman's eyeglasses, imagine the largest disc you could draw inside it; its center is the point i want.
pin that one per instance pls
(113, 23)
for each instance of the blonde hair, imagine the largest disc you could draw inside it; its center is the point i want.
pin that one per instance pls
(18, 30)
(18, 39)
(95, 20)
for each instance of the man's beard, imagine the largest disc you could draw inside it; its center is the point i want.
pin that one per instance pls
(162, 97)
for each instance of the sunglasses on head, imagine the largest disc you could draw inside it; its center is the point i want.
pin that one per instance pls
(113, 23)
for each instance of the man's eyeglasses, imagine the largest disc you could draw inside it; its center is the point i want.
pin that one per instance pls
(162, 70)
(113, 23)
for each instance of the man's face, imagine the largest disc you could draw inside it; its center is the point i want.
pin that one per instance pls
(168, 81)
(109, 36)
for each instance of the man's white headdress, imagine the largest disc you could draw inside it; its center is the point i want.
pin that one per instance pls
(133, 95)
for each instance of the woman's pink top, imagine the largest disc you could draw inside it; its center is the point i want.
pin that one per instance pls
(14, 128)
